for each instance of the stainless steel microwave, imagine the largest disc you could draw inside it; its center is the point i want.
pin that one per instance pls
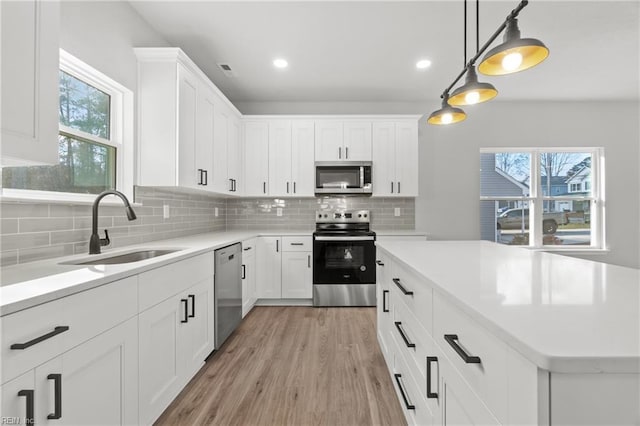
(343, 177)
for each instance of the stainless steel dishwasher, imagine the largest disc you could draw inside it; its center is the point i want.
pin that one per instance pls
(228, 291)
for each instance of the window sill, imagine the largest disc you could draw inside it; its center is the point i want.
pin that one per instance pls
(44, 197)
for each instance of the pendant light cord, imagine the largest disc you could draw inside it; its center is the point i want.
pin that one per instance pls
(465, 34)
(477, 26)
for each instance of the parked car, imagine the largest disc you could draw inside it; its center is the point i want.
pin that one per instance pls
(512, 219)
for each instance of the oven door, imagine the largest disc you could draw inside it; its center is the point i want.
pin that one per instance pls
(344, 260)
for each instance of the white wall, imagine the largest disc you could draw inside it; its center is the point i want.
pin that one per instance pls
(103, 34)
(448, 206)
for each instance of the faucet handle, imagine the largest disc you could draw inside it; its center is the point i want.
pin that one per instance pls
(105, 241)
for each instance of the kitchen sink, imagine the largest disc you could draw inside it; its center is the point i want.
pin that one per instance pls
(134, 256)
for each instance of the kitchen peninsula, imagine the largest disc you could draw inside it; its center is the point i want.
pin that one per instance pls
(508, 335)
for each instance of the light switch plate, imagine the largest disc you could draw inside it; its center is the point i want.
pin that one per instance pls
(396, 211)
(165, 211)
(279, 211)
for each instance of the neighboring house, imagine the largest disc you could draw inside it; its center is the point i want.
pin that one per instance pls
(558, 186)
(580, 182)
(494, 182)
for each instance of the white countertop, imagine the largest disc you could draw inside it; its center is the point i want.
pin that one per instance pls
(399, 233)
(564, 314)
(33, 283)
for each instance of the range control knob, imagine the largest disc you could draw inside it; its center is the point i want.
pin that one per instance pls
(359, 215)
(365, 215)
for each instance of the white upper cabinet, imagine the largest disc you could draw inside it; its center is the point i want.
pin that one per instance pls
(189, 133)
(256, 154)
(280, 182)
(30, 61)
(395, 159)
(302, 157)
(343, 140)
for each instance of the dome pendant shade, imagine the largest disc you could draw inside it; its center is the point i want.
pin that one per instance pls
(472, 92)
(514, 54)
(447, 114)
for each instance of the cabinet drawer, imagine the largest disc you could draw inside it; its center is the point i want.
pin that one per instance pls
(86, 314)
(417, 347)
(419, 414)
(415, 292)
(297, 244)
(486, 376)
(249, 246)
(161, 283)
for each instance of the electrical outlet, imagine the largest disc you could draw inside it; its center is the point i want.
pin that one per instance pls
(165, 211)
(396, 211)
(279, 211)
(215, 211)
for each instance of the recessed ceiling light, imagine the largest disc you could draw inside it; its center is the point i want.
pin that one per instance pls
(280, 63)
(423, 64)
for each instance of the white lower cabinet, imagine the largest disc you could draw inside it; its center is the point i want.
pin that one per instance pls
(248, 275)
(93, 383)
(284, 267)
(175, 337)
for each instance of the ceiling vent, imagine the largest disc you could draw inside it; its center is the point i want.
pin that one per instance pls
(226, 69)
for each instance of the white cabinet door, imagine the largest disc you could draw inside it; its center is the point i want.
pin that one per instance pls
(406, 159)
(256, 155)
(302, 158)
(17, 395)
(329, 141)
(199, 341)
(249, 275)
(280, 183)
(100, 379)
(297, 275)
(30, 62)
(219, 181)
(384, 159)
(357, 141)
(187, 98)
(234, 151)
(161, 358)
(205, 117)
(269, 268)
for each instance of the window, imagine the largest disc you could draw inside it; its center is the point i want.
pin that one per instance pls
(94, 151)
(542, 197)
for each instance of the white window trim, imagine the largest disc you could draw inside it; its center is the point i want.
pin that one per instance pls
(536, 199)
(120, 133)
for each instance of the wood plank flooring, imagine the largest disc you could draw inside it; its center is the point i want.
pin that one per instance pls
(293, 366)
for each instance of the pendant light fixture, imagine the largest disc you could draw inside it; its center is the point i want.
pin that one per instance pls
(447, 114)
(513, 55)
(472, 92)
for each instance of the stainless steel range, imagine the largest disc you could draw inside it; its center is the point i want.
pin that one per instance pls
(344, 254)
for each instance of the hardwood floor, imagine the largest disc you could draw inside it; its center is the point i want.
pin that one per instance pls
(293, 366)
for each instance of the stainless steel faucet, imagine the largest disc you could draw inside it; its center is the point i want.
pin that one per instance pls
(95, 242)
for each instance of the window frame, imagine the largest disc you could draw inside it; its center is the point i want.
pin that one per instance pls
(120, 134)
(536, 199)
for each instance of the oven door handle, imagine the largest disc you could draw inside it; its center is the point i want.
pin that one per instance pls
(368, 238)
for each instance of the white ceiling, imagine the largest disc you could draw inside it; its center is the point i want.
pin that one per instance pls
(363, 51)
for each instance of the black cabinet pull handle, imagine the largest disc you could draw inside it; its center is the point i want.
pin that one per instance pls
(230, 185)
(185, 306)
(297, 244)
(401, 287)
(247, 249)
(199, 176)
(294, 187)
(28, 394)
(452, 339)
(244, 272)
(404, 336)
(385, 294)
(287, 187)
(264, 187)
(308, 261)
(403, 392)
(339, 152)
(398, 187)
(235, 185)
(57, 396)
(55, 332)
(346, 150)
(277, 245)
(193, 305)
(430, 359)
(379, 262)
(206, 177)
(392, 187)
